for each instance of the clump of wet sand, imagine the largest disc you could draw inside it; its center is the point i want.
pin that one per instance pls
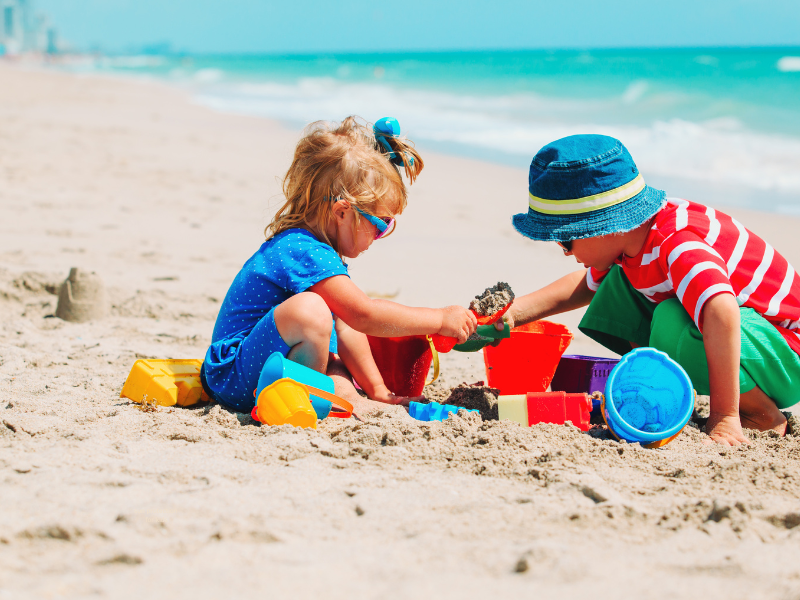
(476, 396)
(492, 300)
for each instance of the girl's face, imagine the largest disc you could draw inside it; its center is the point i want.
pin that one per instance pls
(351, 242)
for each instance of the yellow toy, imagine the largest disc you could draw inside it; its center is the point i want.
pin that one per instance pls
(165, 382)
(286, 401)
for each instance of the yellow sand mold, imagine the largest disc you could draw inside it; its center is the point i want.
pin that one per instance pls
(165, 382)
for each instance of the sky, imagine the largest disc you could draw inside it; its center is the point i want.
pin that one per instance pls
(300, 26)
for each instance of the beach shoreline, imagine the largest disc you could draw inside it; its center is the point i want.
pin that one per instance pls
(165, 200)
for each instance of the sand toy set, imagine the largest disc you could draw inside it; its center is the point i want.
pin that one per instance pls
(645, 397)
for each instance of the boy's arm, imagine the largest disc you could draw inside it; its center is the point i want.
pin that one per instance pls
(565, 294)
(722, 341)
(356, 354)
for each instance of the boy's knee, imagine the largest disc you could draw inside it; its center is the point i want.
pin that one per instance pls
(668, 326)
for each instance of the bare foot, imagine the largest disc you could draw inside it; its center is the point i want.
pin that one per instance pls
(758, 411)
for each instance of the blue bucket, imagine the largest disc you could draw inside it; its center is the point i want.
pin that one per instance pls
(648, 399)
(279, 367)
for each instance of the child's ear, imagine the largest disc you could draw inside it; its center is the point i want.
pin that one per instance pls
(340, 208)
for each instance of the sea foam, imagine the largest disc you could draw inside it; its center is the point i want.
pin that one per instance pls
(715, 151)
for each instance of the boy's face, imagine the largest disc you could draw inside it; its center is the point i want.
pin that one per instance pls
(598, 252)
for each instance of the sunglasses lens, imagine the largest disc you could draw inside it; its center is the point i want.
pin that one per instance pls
(389, 228)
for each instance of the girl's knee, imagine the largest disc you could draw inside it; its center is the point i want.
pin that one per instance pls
(305, 314)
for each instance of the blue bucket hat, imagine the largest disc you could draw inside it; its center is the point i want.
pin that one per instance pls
(585, 186)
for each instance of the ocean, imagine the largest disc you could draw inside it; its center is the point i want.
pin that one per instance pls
(718, 122)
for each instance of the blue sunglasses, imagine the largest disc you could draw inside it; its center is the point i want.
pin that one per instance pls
(384, 225)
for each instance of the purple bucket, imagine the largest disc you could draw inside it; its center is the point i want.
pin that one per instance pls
(587, 374)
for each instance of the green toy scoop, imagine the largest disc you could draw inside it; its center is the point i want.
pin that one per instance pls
(483, 336)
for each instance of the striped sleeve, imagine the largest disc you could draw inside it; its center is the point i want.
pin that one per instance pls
(594, 278)
(697, 271)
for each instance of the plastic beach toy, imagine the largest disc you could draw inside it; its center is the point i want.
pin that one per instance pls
(404, 361)
(527, 360)
(546, 407)
(434, 411)
(285, 401)
(165, 382)
(648, 398)
(488, 334)
(319, 386)
(586, 374)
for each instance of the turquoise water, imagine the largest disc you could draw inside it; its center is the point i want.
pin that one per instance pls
(726, 117)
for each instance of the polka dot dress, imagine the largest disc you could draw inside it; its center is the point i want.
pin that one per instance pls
(245, 334)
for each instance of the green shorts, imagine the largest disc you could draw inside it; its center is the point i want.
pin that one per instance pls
(619, 315)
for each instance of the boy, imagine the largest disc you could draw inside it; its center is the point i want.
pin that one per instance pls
(667, 273)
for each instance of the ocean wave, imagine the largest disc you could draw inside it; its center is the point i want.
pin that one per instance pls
(789, 64)
(718, 151)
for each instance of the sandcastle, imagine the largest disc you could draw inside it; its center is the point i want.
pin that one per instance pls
(82, 297)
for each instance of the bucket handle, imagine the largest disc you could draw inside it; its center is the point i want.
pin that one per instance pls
(435, 360)
(343, 408)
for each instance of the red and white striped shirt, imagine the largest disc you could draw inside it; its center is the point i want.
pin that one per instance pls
(694, 252)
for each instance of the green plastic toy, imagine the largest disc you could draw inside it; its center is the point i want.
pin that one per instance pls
(484, 335)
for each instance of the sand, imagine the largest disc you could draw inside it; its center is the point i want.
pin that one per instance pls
(492, 300)
(165, 200)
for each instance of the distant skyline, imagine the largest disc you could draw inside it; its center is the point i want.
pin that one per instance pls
(223, 26)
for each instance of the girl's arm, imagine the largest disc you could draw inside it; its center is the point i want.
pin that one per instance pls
(383, 318)
(565, 294)
(356, 354)
(722, 341)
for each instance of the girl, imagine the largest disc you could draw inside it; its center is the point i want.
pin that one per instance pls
(343, 191)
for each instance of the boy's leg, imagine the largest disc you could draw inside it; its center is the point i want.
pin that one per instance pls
(769, 376)
(618, 316)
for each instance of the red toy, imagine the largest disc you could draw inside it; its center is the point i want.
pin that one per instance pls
(546, 407)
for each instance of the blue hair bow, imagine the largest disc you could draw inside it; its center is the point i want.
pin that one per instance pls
(388, 127)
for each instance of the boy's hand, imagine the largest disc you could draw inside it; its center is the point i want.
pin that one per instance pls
(507, 318)
(726, 430)
(458, 322)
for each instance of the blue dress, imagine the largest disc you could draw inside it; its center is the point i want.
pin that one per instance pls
(245, 334)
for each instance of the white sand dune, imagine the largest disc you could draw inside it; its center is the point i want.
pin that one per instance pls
(165, 200)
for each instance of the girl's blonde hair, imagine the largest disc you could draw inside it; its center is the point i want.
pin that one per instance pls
(342, 160)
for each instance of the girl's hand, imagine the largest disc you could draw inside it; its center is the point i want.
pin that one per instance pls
(383, 394)
(726, 430)
(458, 322)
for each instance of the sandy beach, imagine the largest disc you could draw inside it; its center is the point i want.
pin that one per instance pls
(165, 200)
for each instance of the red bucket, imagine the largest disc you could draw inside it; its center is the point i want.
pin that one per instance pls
(527, 361)
(403, 362)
